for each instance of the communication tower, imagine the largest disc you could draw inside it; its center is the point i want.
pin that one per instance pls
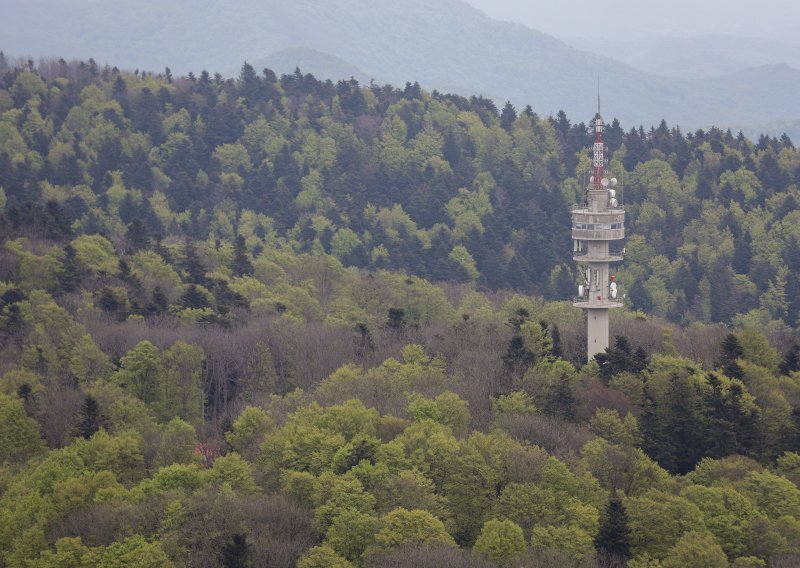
(595, 224)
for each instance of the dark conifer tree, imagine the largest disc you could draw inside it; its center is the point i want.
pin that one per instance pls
(89, 419)
(137, 235)
(613, 540)
(396, 319)
(731, 352)
(555, 339)
(508, 116)
(621, 358)
(241, 265)
(193, 298)
(235, 553)
(791, 362)
(195, 271)
(742, 253)
(69, 277)
(158, 301)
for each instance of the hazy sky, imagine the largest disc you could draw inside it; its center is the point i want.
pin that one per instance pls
(773, 19)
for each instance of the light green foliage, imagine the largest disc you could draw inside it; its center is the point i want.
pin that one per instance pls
(121, 454)
(644, 561)
(19, 434)
(757, 349)
(518, 402)
(749, 562)
(776, 496)
(12, 142)
(57, 346)
(322, 557)
(233, 471)
(301, 447)
(78, 492)
(500, 540)
(348, 419)
(133, 552)
(351, 532)
(343, 242)
(571, 539)
(384, 387)
(732, 468)
(336, 494)
(360, 450)
(530, 505)
(181, 382)
(402, 526)
(186, 477)
(608, 425)
(152, 271)
(658, 520)
(518, 462)
(140, 374)
(623, 467)
(461, 256)
(249, 430)
(36, 271)
(550, 383)
(96, 253)
(409, 489)
(12, 381)
(177, 443)
(696, 550)
(299, 486)
(447, 408)
(788, 465)
(430, 447)
(728, 515)
(122, 410)
(468, 208)
(232, 158)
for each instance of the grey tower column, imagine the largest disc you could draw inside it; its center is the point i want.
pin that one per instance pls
(595, 224)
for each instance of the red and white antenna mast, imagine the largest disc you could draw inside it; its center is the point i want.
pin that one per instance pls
(599, 157)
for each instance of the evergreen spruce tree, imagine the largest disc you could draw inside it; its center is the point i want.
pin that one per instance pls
(241, 265)
(137, 235)
(612, 542)
(89, 419)
(234, 554)
(396, 319)
(193, 298)
(69, 277)
(555, 338)
(791, 362)
(728, 361)
(508, 116)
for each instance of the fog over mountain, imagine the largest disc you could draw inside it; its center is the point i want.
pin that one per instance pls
(616, 20)
(443, 44)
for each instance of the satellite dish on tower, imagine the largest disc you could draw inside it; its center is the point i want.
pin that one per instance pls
(613, 182)
(604, 182)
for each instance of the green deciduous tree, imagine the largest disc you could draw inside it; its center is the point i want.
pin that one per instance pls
(402, 526)
(500, 540)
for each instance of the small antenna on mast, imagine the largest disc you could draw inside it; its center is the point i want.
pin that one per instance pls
(598, 94)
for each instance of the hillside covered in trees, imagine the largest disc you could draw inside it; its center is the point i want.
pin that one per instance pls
(276, 321)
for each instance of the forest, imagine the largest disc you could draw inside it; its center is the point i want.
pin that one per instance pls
(279, 321)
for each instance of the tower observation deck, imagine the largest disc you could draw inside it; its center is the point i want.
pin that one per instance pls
(595, 225)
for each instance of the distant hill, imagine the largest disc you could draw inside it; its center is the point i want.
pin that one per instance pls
(311, 61)
(442, 44)
(697, 57)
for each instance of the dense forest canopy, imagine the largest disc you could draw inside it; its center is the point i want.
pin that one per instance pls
(279, 321)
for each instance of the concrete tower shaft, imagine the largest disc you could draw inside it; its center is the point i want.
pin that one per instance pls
(595, 224)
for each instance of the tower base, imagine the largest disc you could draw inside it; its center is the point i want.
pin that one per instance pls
(596, 331)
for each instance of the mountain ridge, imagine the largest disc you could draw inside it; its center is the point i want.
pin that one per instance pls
(445, 45)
